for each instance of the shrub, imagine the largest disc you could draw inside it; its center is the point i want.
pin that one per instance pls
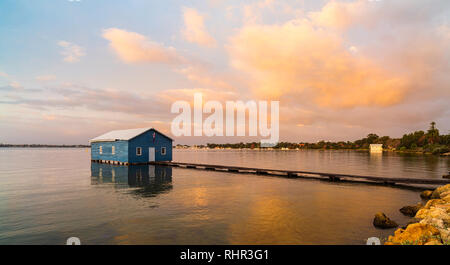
(440, 150)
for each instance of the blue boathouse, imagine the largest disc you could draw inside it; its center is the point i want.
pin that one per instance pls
(133, 146)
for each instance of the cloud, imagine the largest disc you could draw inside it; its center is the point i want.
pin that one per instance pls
(49, 117)
(194, 28)
(45, 77)
(132, 47)
(205, 78)
(306, 58)
(6, 88)
(12, 83)
(187, 94)
(15, 84)
(299, 59)
(71, 52)
(340, 70)
(69, 96)
(253, 11)
(339, 15)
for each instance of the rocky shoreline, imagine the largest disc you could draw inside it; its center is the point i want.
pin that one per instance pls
(430, 224)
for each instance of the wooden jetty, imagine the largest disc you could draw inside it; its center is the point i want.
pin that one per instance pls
(307, 174)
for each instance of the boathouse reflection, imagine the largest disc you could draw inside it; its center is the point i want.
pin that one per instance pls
(149, 179)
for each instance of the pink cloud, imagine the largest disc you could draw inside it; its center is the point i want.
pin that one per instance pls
(194, 28)
(132, 47)
(71, 52)
(311, 57)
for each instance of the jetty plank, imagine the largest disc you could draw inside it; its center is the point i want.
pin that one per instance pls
(307, 174)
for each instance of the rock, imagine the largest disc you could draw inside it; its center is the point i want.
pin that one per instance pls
(434, 212)
(422, 213)
(433, 227)
(382, 221)
(412, 221)
(426, 194)
(433, 242)
(437, 192)
(445, 196)
(438, 223)
(446, 199)
(435, 195)
(432, 203)
(445, 235)
(415, 234)
(411, 210)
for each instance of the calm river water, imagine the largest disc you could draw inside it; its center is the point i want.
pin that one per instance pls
(48, 195)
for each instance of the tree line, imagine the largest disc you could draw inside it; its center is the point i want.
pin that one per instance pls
(419, 141)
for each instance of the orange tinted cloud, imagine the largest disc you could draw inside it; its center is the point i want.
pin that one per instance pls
(205, 78)
(194, 28)
(71, 52)
(187, 94)
(45, 77)
(299, 58)
(132, 47)
(339, 15)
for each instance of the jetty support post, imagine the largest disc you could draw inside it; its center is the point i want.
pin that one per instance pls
(334, 178)
(388, 183)
(291, 175)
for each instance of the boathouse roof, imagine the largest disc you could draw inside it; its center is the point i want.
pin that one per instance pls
(124, 135)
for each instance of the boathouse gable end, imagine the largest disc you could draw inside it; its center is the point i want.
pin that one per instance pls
(131, 146)
(145, 141)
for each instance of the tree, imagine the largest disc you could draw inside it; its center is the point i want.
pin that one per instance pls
(433, 134)
(371, 138)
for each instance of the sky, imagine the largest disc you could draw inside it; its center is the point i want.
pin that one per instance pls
(71, 70)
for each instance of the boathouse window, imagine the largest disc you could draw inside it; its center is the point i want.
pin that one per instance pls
(113, 150)
(138, 151)
(101, 150)
(163, 150)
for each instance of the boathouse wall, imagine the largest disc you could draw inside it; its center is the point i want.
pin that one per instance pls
(120, 153)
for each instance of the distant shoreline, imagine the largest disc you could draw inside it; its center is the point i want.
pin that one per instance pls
(319, 149)
(222, 148)
(43, 146)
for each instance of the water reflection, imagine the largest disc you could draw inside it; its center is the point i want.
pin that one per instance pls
(150, 180)
(386, 164)
(45, 203)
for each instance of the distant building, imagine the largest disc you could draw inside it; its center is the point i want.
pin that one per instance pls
(133, 146)
(376, 148)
